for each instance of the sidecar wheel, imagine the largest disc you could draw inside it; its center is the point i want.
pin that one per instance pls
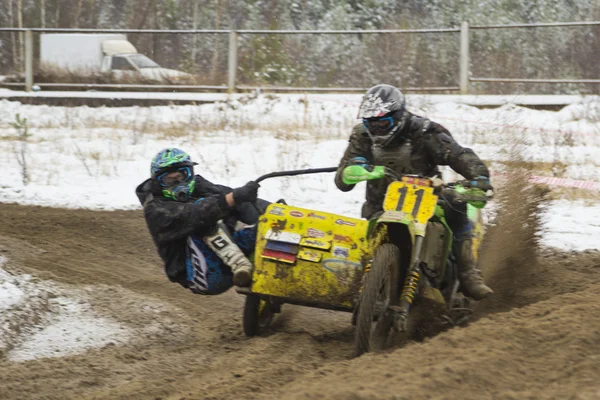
(373, 322)
(258, 315)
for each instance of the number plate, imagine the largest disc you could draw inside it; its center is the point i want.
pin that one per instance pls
(416, 200)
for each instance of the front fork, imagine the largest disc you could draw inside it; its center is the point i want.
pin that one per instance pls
(409, 289)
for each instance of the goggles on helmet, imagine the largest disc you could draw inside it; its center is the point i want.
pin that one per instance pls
(175, 176)
(379, 126)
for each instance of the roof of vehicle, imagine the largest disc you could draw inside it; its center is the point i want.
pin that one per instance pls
(112, 47)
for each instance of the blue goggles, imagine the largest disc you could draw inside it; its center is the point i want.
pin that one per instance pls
(175, 176)
(379, 126)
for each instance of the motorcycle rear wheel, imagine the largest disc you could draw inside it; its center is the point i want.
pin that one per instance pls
(381, 290)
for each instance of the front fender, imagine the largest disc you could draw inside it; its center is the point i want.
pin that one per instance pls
(388, 223)
(398, 228)
(399, 217)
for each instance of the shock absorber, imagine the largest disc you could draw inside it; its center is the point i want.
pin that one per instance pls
(409, 291)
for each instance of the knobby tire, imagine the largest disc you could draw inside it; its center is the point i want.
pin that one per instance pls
(257, 315)
(381, 283)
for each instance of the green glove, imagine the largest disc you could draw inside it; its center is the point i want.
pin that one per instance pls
(354, 174)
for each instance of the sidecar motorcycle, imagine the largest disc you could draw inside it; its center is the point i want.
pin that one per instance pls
(375, 269)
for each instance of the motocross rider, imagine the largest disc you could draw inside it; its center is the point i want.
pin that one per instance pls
(193, 221)
(391, 136)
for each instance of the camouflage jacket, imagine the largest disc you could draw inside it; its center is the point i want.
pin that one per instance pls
(418, 148)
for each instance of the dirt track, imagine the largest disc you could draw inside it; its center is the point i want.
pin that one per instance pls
(539, 338)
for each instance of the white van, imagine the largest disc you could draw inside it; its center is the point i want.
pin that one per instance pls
(107, 53)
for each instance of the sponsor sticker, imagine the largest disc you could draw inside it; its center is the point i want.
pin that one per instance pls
(278, 256)
(282, 236)
(343, 222)
(313, 215)
(341, 238)
(319, 244)
(416, 181)
(309, 255)
(296, 213)
(275, 210)
(278, 225)
(316, 243)
(281, 246)
(343, 270)
(341, 252)
(315, 233)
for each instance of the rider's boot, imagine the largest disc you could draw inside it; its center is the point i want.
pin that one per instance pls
(469, 275)
(232, 255)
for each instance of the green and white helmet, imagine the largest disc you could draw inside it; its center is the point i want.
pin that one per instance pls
(174, 160)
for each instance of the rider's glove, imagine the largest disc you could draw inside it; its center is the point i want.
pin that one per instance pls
(246, 193)
(361, 161)
(481, 182)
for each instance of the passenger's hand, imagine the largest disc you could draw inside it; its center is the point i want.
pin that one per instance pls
(481, 182)
(246, 193)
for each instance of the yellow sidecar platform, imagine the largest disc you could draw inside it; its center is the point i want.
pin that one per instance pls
(309, 257)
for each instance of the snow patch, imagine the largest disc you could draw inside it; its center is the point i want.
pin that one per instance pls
(72, 329)
(572, 225)
(37, 320)
(10, 293)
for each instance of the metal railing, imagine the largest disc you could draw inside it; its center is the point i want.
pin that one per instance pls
(464, 78)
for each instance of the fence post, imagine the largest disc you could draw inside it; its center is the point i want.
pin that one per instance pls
(28, 61)
(232, 61)
(464, 58)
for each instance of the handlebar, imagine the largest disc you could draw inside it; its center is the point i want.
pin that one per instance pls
(450, 194)
(296, 172)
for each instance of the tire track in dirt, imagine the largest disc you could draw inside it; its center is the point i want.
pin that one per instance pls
(539, 340)
(204, 356)
(547, 350)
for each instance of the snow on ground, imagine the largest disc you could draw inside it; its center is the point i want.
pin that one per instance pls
(38, 320)
(95, 157)
(70, 330)
(10, 294)
(572, 225)
(41, 319)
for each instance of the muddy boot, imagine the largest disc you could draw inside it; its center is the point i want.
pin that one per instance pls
(232, 255)
(469, 275)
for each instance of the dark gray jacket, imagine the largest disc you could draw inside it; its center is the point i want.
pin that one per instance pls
(418, 148)
(171, 222)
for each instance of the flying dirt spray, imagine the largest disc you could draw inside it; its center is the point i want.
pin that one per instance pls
(509, 253)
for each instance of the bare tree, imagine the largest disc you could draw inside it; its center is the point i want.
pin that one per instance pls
(215, 58)
(20, 25)
(57, 14)
(195, 26)
(77, 14)
(13, 37)
(42, 13)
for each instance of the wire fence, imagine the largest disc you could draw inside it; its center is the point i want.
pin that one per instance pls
(493, 59)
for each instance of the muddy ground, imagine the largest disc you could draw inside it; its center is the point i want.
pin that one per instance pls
(539, 338)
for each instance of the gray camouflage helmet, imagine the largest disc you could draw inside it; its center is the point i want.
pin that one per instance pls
(381, 100)
(383, 111)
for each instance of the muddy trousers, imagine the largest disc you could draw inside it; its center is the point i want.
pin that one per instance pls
(208, 267)
(462, 227)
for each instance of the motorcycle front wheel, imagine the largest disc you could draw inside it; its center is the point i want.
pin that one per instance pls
(380, 291)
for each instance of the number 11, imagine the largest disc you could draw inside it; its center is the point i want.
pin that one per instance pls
(419, 195)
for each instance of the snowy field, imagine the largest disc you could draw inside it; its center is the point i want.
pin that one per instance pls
(95, 157)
